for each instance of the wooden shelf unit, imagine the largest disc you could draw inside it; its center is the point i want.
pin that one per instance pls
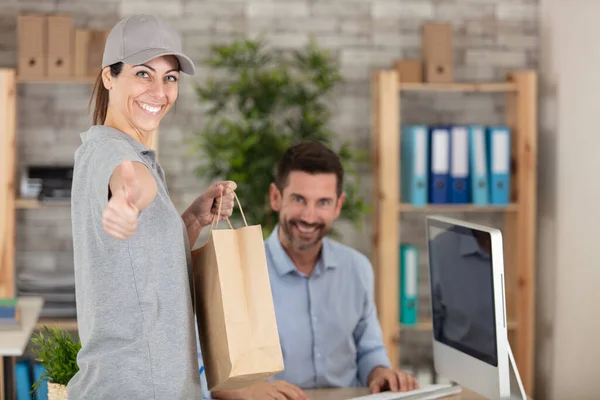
(451, 208)
(69, 324)
(458, 87)
(8, 145)
(520, 89)
(54, 80)
(21, 203)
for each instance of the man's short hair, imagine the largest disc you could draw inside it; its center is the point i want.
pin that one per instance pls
(310, 157)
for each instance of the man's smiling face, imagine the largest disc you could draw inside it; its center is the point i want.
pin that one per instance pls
(307, 206)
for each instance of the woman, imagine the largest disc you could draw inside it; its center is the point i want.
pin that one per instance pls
(131, 247)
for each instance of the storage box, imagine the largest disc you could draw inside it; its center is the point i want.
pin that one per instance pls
(410, 71)
(60, 45)
(437, 42)
(31, 29)
(80, 59)
(97, 41)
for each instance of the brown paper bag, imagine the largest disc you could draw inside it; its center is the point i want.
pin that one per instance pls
(234, 308)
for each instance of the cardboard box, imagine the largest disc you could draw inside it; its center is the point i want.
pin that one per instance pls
(60, 45)
(437, 43)
(410, 71)
(97, 41)
(80, 50)
(31, 31)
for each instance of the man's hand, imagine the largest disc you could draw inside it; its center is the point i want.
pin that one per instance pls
(278, 390)
(383, 379)
(120, 216)
(206, 207)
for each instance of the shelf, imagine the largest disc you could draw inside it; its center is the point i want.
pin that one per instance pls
(34, 203)
(69, 324)
(448, 208)
(519, 90)
(56, 79)
(459, 87)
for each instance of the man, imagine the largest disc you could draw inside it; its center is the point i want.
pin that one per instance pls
(322, 290)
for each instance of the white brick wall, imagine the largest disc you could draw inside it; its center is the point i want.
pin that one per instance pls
(491, 37)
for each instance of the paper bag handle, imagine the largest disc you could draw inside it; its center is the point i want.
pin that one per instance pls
(216, 218)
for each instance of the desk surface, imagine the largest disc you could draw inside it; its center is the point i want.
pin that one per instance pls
(343, 394)
(14, 342)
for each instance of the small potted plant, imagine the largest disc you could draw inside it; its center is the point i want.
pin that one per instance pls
(56, 351)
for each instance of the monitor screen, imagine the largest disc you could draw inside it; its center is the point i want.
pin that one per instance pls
(462, 291)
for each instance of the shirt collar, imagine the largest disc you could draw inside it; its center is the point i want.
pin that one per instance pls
(107, 131)
(284, 264)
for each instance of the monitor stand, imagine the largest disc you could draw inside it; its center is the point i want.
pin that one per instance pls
(517, 391)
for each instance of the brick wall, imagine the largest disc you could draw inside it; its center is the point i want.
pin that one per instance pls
(491, 38)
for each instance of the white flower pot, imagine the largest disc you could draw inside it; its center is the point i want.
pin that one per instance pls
(56, 391)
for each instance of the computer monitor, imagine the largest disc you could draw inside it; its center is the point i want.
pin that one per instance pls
(470, 342)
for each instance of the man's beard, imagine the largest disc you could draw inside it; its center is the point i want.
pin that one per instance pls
(288, 225)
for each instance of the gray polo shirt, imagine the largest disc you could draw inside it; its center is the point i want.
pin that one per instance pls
(134, 305)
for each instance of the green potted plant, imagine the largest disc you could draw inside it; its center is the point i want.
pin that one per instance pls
(56, 351)
(264, 100)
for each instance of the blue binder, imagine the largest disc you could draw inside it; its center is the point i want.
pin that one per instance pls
(478, 166)
(439, 167)
(499, 164)
(414, 155)
(409, 271)
(42, 391)
(22, 380)
(459, 165)
(8, 312)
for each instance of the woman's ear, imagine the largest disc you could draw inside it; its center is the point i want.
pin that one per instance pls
(107, 79)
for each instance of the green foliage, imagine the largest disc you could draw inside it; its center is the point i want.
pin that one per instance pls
(267, 100)
(56, 351)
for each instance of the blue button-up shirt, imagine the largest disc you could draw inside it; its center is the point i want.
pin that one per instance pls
(328, 328)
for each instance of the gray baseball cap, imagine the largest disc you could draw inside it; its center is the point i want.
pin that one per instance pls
(140, 38)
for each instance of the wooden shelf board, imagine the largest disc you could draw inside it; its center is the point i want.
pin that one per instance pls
(482, 87)
(56, 79)
(69, 324)
(34, 203)
(433, 208)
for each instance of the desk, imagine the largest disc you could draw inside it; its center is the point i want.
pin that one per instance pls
(14, 342)
(344, 394)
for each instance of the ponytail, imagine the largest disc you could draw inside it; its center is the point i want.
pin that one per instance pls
(101, 93)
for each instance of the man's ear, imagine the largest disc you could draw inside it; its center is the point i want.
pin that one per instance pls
(340, 203)
(275, 197)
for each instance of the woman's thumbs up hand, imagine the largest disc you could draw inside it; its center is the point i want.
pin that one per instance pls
(120, 216)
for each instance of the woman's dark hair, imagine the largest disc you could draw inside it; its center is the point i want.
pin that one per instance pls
(101, 103)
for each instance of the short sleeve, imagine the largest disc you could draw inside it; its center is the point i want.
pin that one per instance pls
(107, 156)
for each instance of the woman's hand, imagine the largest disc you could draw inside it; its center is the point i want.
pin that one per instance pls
(205, 208)
(203, 211)
(119, 218)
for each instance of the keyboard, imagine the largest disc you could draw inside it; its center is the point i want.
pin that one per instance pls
(428, 392)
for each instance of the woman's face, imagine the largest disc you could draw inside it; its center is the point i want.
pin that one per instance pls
(143, 94)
